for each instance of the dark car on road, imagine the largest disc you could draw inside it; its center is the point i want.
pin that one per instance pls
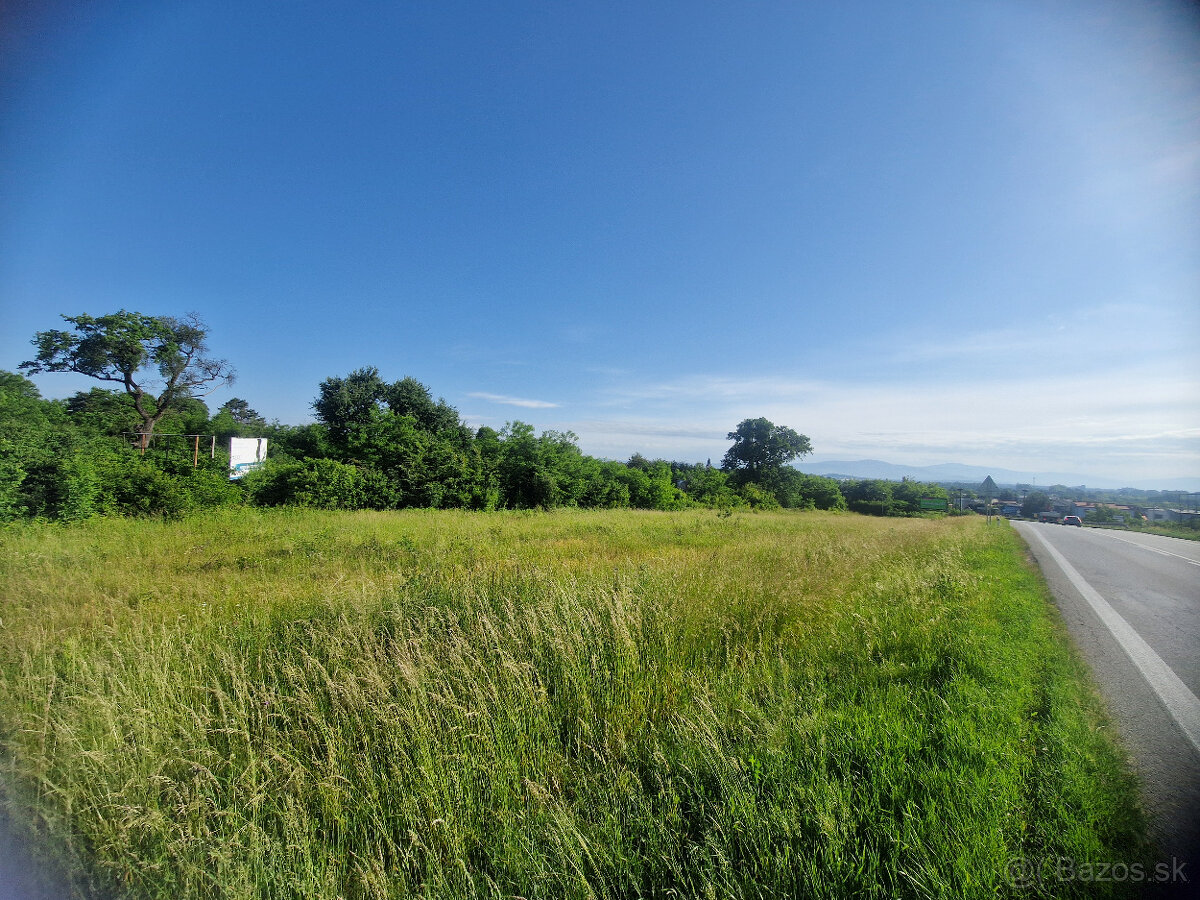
(1072, 520)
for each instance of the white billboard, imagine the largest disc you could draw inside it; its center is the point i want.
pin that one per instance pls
(246, 454)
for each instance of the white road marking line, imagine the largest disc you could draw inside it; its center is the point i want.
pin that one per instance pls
(1180, 702)
(1186, 559)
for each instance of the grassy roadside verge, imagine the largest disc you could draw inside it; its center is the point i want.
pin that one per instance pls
(1183, 532)
(601, 704)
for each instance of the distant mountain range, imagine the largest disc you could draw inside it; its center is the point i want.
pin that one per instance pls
(946, 472)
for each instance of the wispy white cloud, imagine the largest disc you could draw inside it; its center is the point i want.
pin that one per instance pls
(1132, 422)
(609, 371)
(1084, 337)
(581, 333)
(709, 389)
(513, 401)
(1178, 168)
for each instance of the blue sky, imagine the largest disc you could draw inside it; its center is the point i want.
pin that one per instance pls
(921, 232)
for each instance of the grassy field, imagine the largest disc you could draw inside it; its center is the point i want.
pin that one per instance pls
(604, 704)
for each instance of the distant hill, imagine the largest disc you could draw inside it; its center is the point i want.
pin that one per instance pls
(957, 472)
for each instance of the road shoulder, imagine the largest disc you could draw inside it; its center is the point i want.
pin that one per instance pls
(1164, 760)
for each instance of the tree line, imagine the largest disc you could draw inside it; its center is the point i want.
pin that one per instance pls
(375, 444)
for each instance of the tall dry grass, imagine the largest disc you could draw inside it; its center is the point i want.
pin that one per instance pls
(600, 704)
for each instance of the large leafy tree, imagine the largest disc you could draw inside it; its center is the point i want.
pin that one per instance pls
(761, 449)
(159, 361)
(241, 413)
(103, 411)
(346, 405)
(408, 397)
(351, 404)
(236, 418)
(1035, 502)
(397, 430)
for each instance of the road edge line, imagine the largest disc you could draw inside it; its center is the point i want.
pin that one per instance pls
(1158, 550)
(1180, 702)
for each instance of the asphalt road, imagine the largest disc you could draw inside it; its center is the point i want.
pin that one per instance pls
(1131, 603)
(21, 878)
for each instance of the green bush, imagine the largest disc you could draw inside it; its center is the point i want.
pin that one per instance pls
(907, 496)
(136, 486)
(710, 486)
(758, 498)
(81, 486)
(12, 476)
(329, 484)
(378, 490)
(210, 489)
(271, 483)
(871, 497)
(798, 490)
(317, 484)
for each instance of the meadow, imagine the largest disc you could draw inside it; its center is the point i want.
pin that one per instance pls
(610, 704)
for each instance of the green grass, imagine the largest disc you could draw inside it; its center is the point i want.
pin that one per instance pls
(605, 704)
(1169, 529)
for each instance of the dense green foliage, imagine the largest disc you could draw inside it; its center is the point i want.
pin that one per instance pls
(375, 445)
(887, 498)
(297, 704)
(68, 460)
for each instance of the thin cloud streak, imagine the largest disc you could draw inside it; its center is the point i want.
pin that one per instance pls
(1087, 338)
(513, 401)
(1138, 419)
(710, 388)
